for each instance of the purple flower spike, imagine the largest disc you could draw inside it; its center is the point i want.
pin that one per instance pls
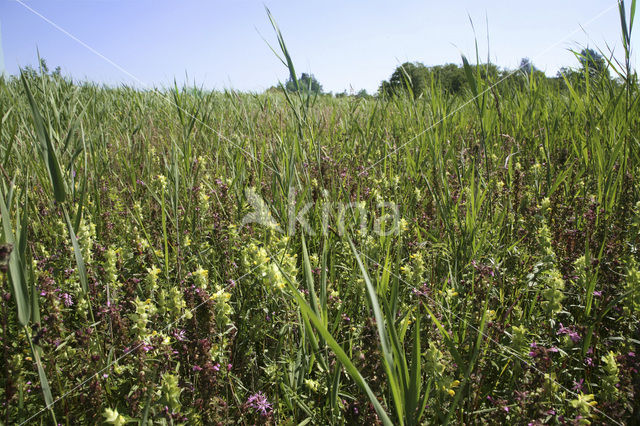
(67, 299)
(258, 401)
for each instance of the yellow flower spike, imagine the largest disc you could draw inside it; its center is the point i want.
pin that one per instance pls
(451, 392)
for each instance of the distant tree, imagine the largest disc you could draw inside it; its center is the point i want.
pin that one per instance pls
(306, 82)
(527, 67)
(573, 76)
(42, 70)
(273, 90)
(593, 63)
(410, 77)
(489, 71)
(564, 71)
(362, 94)
(416, 78)
(343, 94)
(450, 76)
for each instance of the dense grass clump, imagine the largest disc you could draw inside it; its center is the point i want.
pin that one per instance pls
(448, 263)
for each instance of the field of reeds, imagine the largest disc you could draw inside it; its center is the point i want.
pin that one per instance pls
(181, 256)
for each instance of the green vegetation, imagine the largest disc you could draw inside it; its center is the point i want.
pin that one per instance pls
(504, 288)
(306, 83)
(416, 79)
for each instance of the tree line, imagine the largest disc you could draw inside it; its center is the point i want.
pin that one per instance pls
(415, 79)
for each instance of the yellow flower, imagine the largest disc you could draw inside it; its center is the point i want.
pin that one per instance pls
(113, 417)
(201, 277)
(163, 181)
(584, 403)
(312, 385)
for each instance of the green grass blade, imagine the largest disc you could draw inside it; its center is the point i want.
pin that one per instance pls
(471, 79)
(16, 270)
(415, 375)
(42, 375)
(82, 270)
(387, 350)
(309, 278)
(340, 354)
(632, 14)
(50, 156)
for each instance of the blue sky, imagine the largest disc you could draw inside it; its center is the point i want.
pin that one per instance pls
(345, 44)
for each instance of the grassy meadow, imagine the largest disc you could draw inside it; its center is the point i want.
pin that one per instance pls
(181, 256)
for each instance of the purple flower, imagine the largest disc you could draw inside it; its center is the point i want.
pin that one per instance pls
(573, 335)
(196, 368)
(577, 386)
(588, 361)
(67, 299)
(597, 293)
(216, 367)
(258, 401)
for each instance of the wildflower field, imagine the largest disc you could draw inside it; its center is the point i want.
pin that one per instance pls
(180, 256)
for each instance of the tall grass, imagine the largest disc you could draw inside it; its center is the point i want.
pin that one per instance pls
(510, 288)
